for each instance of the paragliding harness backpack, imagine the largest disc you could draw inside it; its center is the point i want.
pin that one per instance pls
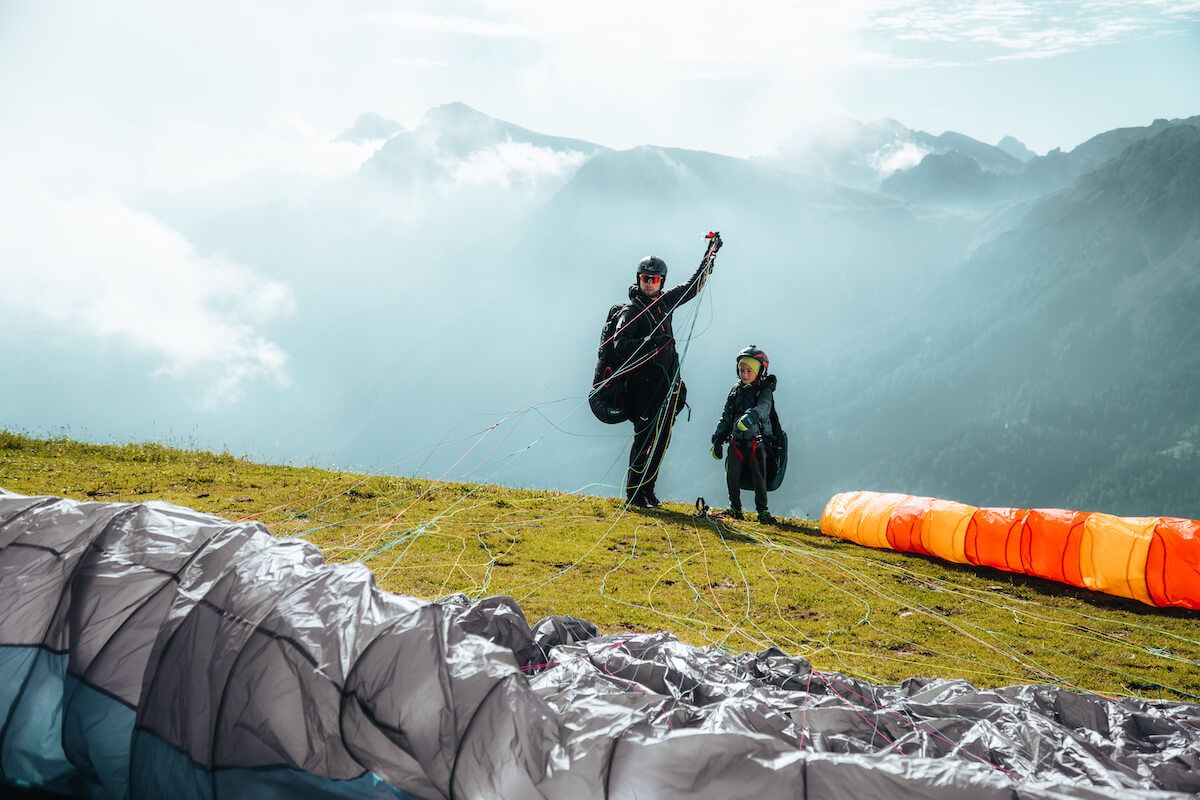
(608, 398)
(776, 446)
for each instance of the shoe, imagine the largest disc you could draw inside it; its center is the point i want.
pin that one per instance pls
(640, 501)
(765, 517)
(733, 513)
(651, 500)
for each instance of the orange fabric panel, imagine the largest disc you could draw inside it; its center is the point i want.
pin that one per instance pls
(994, 538)
(860, 517)
(904, 527)
(1050, 544)
(1155, 560)
(833, 518)
(944, 529)
(1173, 563)
(867, 522)
(1112, 555)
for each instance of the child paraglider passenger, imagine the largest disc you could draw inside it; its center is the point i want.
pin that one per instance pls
(746, 425)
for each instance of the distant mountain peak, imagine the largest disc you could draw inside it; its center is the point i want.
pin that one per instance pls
(369, 126)
(1016, 148)
(951, 177)
(453, 132)
(454, 112)
(862, 155)
(462, 128)
(888, 124)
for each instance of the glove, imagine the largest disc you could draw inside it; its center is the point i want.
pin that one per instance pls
(745, 422)
(717, 451)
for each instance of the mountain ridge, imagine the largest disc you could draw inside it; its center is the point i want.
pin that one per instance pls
(940, 182)
(1084, 309)
(453, 132)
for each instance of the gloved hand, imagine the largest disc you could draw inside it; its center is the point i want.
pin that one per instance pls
(717, 451)
(746, 422)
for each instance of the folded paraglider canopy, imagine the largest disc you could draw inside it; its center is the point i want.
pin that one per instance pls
(1155, 560)
(151, 651)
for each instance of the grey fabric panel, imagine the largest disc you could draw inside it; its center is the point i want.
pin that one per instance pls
(421, 684)
(245, 651)
(202, 572)
(12, 506)
(124, 590)
(1028, 731)
(282, 701)
(218, 634)
(499, 620)
(649, 762)
(555, 631)
(513, 748)
(271, 636)
(1077, 792)
(834, 777)
(382, 750)
(40, 552)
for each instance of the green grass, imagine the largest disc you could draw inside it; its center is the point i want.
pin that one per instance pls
(875, 614)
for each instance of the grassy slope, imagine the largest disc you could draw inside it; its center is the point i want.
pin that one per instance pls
(871, 613)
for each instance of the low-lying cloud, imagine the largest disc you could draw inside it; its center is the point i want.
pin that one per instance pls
(513, 164)
(106, 273)
(894, 158)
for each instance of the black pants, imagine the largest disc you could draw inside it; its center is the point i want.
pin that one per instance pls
(746, 454)
(651, 435)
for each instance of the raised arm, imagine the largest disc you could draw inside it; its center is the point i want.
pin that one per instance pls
(678, 295)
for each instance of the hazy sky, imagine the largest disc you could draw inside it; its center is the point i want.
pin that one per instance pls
(105, 104)
(215, 85)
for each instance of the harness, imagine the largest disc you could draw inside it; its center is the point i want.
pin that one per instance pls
(737, 451)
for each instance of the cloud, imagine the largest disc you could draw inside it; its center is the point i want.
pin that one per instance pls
(419, 62)
(891, 61)
(704, 37)
(1005, 30)
(186, 154)
(446, 24)
(893, 158)
(680, 37)
(511, 164)
(106, 273)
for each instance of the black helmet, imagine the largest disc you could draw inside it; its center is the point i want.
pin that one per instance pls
(757, 355)
(652, 265)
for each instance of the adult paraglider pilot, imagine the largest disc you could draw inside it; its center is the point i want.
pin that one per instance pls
(645, 347)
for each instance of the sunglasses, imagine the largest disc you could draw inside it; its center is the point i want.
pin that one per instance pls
(650, 278)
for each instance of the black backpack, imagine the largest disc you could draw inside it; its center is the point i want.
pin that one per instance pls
(777, 456)
(607, 398)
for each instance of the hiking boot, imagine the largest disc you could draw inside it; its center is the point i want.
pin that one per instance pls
(732, 513)
(651, 500)
(765, 517)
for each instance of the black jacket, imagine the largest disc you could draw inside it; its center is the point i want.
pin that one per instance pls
(644, 332)
(757, 398)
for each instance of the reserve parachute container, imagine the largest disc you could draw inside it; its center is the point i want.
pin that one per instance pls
(151, 651)
(1154, 560)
